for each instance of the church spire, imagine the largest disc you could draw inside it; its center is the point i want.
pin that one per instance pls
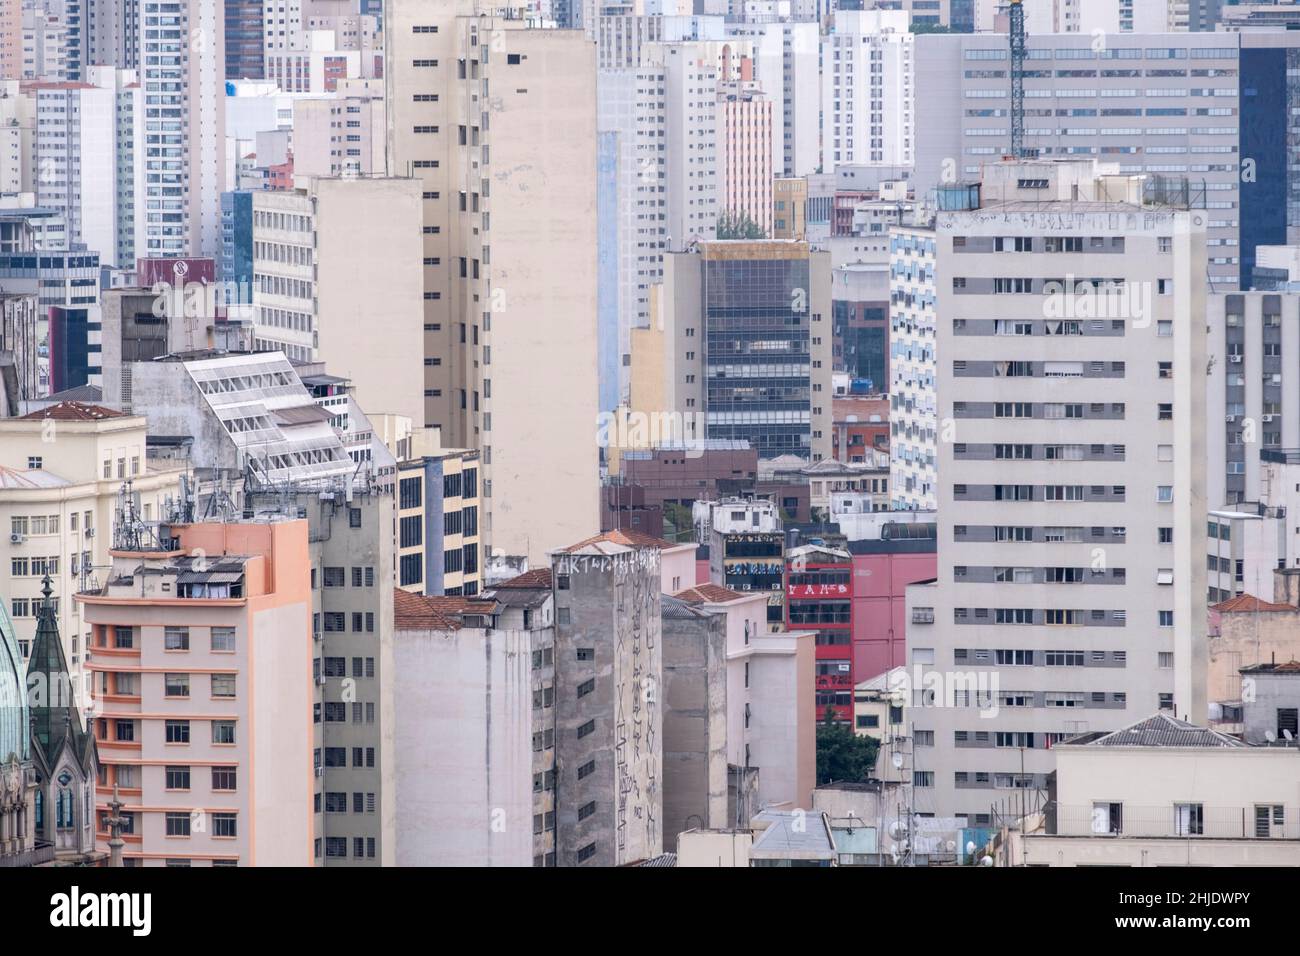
(49, 684)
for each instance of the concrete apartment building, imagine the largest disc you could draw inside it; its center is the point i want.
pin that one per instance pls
(771, 736)
(202, 649)
(339, 135)
(490, 116)
(786, 66)
(335, 279)
(695, 726)
(913, 413)
(1252, 389)
(745, 133)
(60, 497)
(1163, 792)
(184, 127)
(609, 710)
(1249, 631)
(256, 441)
(439, 550)
(1200, 105)
(868, 113)
(476, 774)
(1100, 390)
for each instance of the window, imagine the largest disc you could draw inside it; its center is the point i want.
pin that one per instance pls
(587, 729)
(586, 810)
(178, 731)
(586, 853)
(223, 685)
(223, 825)
(586, 687)
(178, 778)
(223, 640)
(176, 639)
(1107, 817)
(178, 824)
(223, 778)
(176, 685)
(587, 769)
(223, 731)
(586, 654)
(1189, 819)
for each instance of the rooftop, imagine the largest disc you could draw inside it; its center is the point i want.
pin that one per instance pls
(710, 593)
(73, 412)
(628, 539)
(1248, 603)
(1291, 667)
(436, 612)
(15, 479)
(535, 580)
(1158, 730)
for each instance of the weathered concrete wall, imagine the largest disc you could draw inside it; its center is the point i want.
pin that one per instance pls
(695, 719)
(608, 606)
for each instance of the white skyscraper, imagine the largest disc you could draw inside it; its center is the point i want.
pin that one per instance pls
(182, 67)
(868, 89)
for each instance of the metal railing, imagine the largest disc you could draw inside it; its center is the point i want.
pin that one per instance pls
(1177, 822)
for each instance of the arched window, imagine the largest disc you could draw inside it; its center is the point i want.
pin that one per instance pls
(40, 812)
(65, 817)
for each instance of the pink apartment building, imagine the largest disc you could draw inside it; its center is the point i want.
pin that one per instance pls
(201, 655)
(745, 123)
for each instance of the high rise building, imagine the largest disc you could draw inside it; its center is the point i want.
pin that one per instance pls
(1070, 594)
(202, 658)
(509, 255)
(746, 346)
(90, 162)
(1211, 108)
(608, 693)
(184, 126)
(337, 278)
(868, 94)
(913, 418)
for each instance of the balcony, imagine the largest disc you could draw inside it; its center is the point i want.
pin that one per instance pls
(1118, 821)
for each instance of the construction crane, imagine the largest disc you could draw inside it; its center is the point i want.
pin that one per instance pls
(1016, 15)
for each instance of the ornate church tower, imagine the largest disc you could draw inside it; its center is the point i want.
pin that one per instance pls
(63, 753)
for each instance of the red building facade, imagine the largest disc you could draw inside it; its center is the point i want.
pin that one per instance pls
(819, 597)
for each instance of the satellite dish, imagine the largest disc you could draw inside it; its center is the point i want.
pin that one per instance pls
(1270, 736)
(987, 861)
(1287, 734)
(970, 846)
(952, 845)
(897, 830)
(897, 760)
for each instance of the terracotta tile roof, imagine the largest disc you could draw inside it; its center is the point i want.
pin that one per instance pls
(1248, 602)
(709, 593)
(73, 412)
(629, 539)
(535, 580)
(440, 612)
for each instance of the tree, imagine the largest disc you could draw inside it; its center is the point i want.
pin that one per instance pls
(738, 225)
(841, 754)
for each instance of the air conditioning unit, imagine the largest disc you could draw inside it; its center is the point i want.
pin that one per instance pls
(1268, 418)
(315, 635)
(17, 538)
(90, 532)
(1234, 359)
(320, 679)
(320, 771)
(1231, 418)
